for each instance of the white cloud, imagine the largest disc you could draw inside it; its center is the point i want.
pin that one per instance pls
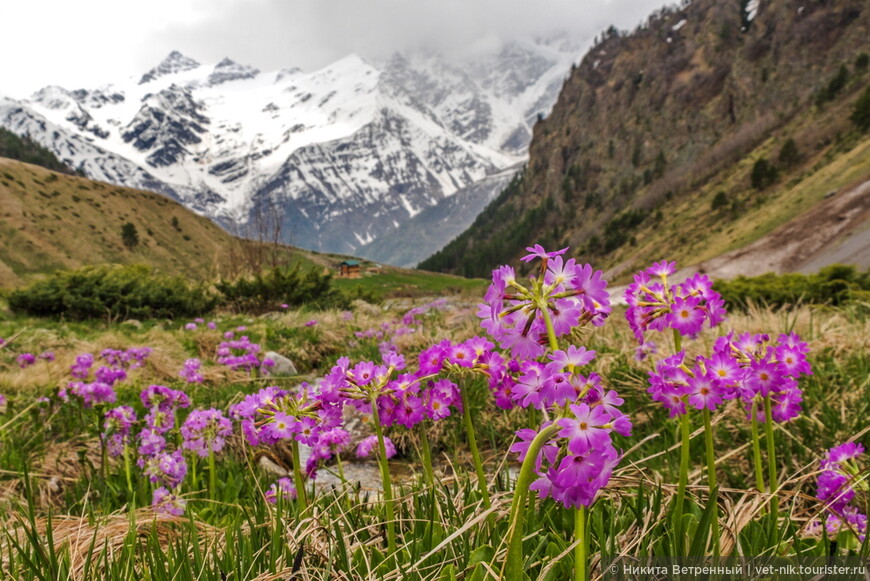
(90, 42)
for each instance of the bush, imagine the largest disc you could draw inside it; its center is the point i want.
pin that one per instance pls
(95, 292)
(833, 285)
(129, 235)
(291, 286)
(720, 200)
(764, 174)
(837, 83)
(861, 113)
(789, 154)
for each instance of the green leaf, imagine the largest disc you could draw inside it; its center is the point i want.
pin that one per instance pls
(448, 573)
(483, 554)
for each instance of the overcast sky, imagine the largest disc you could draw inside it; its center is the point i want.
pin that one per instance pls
(87, 43)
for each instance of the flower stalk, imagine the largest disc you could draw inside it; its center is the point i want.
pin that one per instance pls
(512, 570)
(711, 477)
(386, 482)
(475, 453)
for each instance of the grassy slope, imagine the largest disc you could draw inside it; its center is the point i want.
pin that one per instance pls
(397, 282)
(51, 221)
(692, 232)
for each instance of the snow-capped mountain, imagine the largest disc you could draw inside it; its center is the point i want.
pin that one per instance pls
(339, 156)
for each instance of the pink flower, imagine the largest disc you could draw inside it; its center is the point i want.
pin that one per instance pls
(587, 429)
(368, 445)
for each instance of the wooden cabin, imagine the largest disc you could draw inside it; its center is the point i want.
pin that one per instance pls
(349, 269)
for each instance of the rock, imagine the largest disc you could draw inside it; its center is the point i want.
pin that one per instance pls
(271, 466)
(283, 366)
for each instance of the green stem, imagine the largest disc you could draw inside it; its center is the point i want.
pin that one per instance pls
(771, 462)
(298, 482)
(385, 481)
(212, 476)
(426, 455)
(685, 434)
(104, 457)
(551, 330)
(513, 565)
(127, 470)
(472, 444)
(194, 477)
(582, 549)
(340, 468)
(756, 448)
(711, 477)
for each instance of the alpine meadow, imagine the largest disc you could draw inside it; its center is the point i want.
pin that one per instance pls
(635, 345)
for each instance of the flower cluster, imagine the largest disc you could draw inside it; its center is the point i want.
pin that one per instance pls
(685, 307)
(132, 358)
(273, 414)
(91, 394)
(768, 370)
(190, 371)
(565, 293)
(25, 360)
(746, 367)
(117, 423)
(283, 488)
(165, 502)
(836, 487)
(578, 460)
(329, 443)
(405, 398)
(238, 353)
(205, 431)
(368, 445)
(82, 366)
(161, 403)
(578, 456)
(166, 468)
(101, 390)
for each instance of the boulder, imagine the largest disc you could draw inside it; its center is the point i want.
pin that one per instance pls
(283, 366)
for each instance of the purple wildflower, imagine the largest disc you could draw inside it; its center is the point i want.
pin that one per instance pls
(205, 431)
(368, 445)
(25, 360)
(685, 307)
(283, 488)
(190, 371)
(165, 502)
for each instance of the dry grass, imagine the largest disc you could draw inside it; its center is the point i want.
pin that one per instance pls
(87, 538)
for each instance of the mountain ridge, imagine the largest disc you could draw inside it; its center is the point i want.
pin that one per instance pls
(651, 126)
(340, 155)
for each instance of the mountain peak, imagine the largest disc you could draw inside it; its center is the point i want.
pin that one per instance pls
(175, 62)
(230, 70)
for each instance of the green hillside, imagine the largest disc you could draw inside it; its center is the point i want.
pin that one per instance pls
(696, 134)
(50, 221)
